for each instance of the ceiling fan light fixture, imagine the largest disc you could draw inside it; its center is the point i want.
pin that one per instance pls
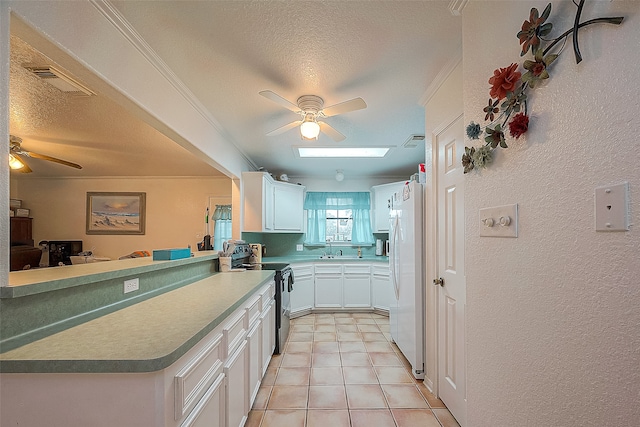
(15, 163)
(310, 129)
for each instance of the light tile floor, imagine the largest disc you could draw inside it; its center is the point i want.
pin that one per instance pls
(342, 370)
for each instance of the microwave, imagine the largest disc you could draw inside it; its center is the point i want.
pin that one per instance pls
(61, 250)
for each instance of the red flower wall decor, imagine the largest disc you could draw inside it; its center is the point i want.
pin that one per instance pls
(511, 85)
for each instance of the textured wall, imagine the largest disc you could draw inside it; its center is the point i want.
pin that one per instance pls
(554, 315)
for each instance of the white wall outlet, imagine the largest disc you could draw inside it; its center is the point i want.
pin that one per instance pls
(131, 285)
(299, 248)
(612, 207)
(499, 221)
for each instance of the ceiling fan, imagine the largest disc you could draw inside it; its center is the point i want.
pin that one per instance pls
(311, 108)
(18, 164)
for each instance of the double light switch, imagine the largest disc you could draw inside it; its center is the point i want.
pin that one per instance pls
(499, 221)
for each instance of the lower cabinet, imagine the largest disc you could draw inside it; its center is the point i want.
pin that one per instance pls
(302, 297)
(210, 411)
(236, 392)
(381, 287)
(254, 341)
(344, 286)
(328, 286)
(268, 342)
(357, 286)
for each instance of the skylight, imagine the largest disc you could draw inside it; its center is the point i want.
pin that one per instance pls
(343, 151)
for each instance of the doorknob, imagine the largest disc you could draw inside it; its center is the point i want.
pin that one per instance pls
(439, 281)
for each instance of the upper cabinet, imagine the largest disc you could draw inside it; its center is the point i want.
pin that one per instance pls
(380, 196)
(271, 206)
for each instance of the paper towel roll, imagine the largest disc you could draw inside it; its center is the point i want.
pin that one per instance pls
(379, 247)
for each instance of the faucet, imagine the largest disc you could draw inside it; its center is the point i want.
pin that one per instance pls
(340, 252)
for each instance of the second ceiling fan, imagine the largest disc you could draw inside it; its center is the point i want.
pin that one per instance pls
(311, 108)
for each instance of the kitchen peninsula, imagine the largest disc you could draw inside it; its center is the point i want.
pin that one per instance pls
(172, 355)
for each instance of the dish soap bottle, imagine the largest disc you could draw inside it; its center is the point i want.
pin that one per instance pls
(359, 252)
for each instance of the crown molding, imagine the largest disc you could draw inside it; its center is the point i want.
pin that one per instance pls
(442, 76)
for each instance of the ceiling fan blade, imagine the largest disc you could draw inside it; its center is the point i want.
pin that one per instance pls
(51, 159)
(333, 134)
(285, 128)
(25, 168)
(344, 107)
(280, 100)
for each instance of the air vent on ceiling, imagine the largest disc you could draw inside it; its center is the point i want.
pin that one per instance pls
(57, 78)
(413, 141)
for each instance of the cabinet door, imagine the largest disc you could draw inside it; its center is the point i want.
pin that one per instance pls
(381, 195)
(236, 393)
(328, 291)
(381, 288)
(302, 298)
(268, 342)
(254, 337)
(210, 411)
(268, 207)
(357, 291)
(288, 207)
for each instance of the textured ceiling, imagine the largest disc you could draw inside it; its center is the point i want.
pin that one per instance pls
(387, 53)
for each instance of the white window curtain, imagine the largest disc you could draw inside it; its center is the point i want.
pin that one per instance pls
(317, 203)
(222, 227)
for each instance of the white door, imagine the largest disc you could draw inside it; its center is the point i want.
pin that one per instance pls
(452, 292)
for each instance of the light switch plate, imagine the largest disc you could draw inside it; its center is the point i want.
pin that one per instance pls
(612, 207)
(499, 221)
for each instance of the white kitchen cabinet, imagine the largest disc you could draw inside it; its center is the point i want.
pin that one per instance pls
(288, 207)
(254, 360)
(268, 207)
(271, 206)
(268, 342)
(381, 287)
(380, 195)
(210, 411)
(302, 297)
(236, 393)
(328, 286)
(356, 283)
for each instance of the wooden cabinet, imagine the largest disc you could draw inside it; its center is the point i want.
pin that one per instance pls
(380, 195)
(254, 351)
(381, 287)
(356, 284)
(21, 231)
(302, 298)
(328, 286)
(271, 206)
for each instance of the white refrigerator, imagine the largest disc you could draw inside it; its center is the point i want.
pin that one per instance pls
(406, 260)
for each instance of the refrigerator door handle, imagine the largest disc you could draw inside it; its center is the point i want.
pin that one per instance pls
(394, 257)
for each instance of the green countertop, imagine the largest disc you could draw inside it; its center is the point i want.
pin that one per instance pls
(29, 282)
(145, 337)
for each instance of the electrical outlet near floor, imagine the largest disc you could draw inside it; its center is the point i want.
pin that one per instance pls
(131, 285)
(299, 248)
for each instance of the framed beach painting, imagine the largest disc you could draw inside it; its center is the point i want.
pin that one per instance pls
(115, 213)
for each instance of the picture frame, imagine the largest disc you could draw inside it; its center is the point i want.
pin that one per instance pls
(116, 212)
